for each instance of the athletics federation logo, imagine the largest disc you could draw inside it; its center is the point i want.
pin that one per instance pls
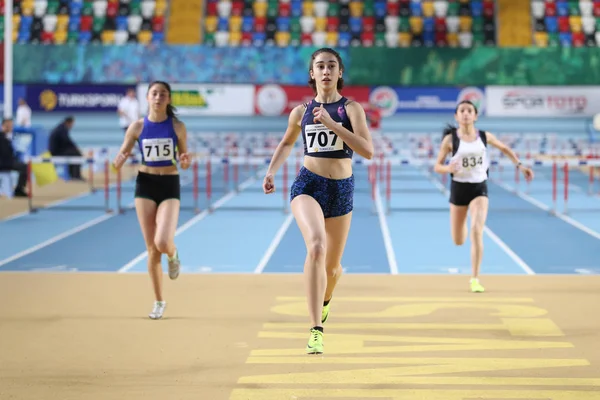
(475, 96)
(386, 99)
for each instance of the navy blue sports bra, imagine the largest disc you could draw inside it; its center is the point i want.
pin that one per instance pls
(320, 141)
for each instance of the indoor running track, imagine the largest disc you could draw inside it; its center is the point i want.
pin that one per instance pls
(249, 232)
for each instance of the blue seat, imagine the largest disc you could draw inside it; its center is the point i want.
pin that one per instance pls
(344, 39)
(121, 22)
(566, 39)
(223, 24)
(296, 8)
(476, 8)
(75, 8)
(158, 37)
(428, 38)
(283, 24)
(562, 9)
(258, 38)
(380, 9)
(355, 24)
(428, 24)
(85, 37)
(415, 8)
(74, 23)
(551, 24)
(248, 24)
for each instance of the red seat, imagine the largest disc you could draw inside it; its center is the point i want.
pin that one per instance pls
(578, 39)
(597, 8)
(367, 38)
(550, 9)
(237, 8)
(440, 24)
(440, 38)
(488, 8)
(211, 8)
(333, 24)
(85, 25)
(393, 8)
(47, 37)
(247, 38)
(112, 9)
(260, 24)
(368, 24)
(158, 23)
(306, 39)
(563, 24)
(284, 9)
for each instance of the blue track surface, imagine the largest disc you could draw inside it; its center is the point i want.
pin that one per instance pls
(238, 237)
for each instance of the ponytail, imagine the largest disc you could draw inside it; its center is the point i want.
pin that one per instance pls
(171, 111)
(449, 129)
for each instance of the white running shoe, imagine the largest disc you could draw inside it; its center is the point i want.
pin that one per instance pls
(174, 265)
(158, 310)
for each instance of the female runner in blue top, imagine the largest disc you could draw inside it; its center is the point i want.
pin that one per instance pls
(160, 137)
(332, 128)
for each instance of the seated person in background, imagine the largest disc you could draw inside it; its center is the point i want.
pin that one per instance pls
(60, 144)
(8, 160)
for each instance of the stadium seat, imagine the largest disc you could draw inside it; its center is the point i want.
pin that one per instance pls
(353, 22)
(566, 22)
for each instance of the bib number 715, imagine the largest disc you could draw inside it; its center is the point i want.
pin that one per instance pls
(158, 149)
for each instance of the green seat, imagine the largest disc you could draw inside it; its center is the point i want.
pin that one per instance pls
(98, 24)
(52, 8)
(453, 8)
(72, 37)
(404, 24)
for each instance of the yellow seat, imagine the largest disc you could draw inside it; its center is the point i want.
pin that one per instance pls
(144, 37)
(108, 37)
(320, 24)
(161, 8)
(465, 23)
(235, 38)
(416, 25)
(235, 23)
(404, 39)
(60, 37)
(541, 39)
(211, 23)
(332, 39)
(308, 8)
(452, 38)
(27, 10)
(16, 21)
(428, 9)
(282, 38)
(15, 35)
(62, 22)
(260, 8)
(356, 8)
(575, 23)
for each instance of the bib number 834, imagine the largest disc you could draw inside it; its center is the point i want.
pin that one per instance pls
(470, 162)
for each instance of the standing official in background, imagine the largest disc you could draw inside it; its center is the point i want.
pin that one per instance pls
(128, 110)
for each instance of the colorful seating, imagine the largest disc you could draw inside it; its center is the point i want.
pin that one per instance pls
(568, 23)
(88, 21)
(344, 23)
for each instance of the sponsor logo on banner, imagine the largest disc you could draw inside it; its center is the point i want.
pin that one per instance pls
(405, 100)
(75, 98)
(207, 99)
(543, 101)
(273, 100)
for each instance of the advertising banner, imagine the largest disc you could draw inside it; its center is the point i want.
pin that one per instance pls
(75, 98)
(207, 99)
(272, 100)
(543, 101)
(410, 100)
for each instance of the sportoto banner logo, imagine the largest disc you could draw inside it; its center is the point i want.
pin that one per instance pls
(543, 101)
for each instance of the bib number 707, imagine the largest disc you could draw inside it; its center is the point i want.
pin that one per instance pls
(319, 138)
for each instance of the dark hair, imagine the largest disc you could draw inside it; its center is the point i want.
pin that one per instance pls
(311, 81)
(170, 108)
(466, 102)
(69, 119)
(448, 130)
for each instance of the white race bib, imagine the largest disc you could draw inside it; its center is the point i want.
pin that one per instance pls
(158, 149)
(471, 161)
(320, 139)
